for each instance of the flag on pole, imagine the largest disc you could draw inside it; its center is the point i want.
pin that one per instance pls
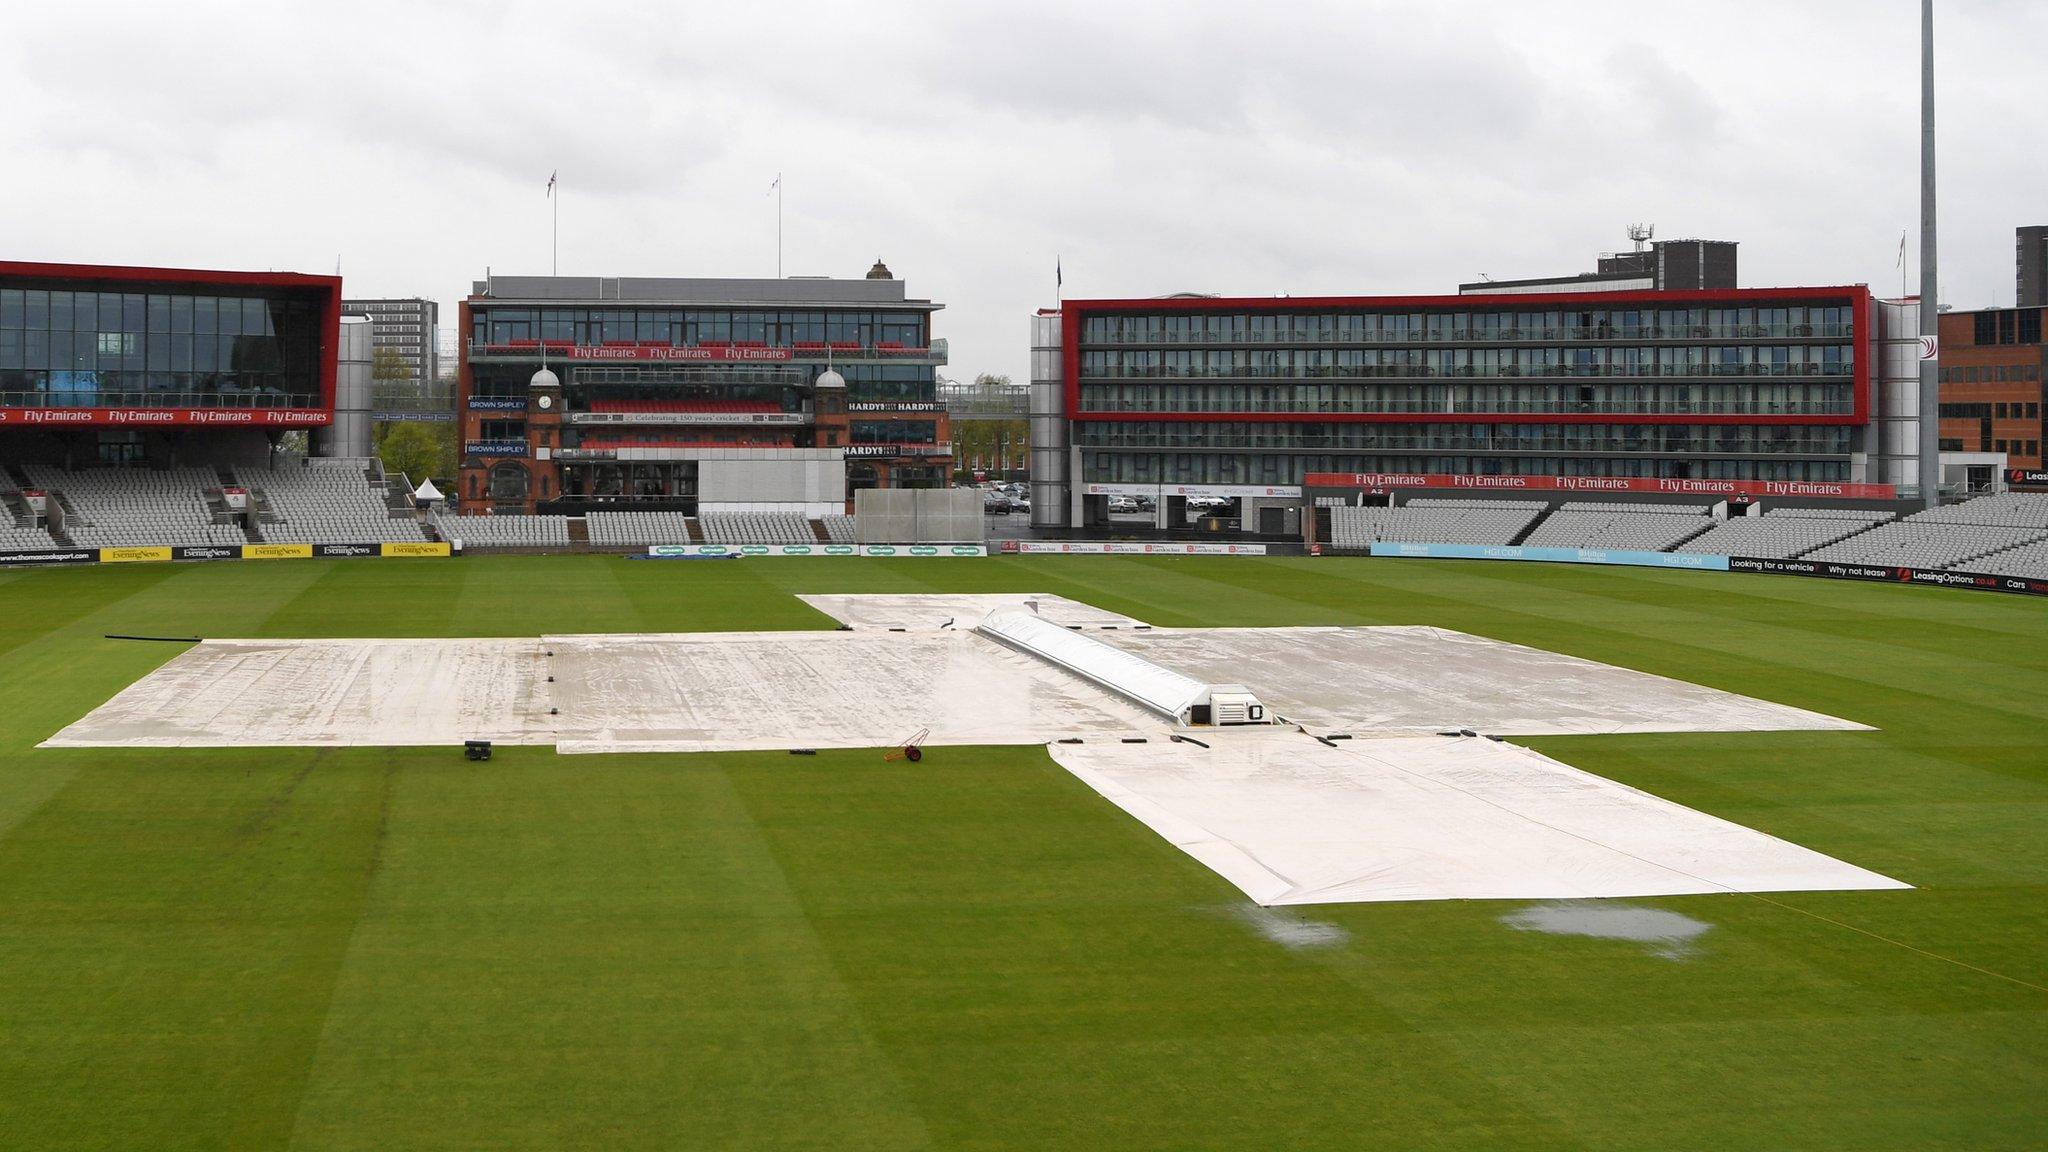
(551, 183)
(1059, 276)
(1902, 249)
(775, 183)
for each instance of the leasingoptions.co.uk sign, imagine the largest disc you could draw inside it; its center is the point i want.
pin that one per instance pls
(170, 417)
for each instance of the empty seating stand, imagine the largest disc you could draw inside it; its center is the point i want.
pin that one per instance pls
(2029, 560)
(637, 529)
(139, 506)
(1783, 533)
(1952, 536)
(18, 539)
(756, 528)
(1620, 526)
(18, 532)
(327, 503)
(1433, 520)
(549, 532)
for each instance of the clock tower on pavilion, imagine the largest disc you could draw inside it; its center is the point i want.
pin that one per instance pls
(544, 434)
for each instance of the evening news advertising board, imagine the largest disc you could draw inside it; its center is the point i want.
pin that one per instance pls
(157, 553)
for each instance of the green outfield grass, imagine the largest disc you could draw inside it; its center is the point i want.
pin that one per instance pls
(398, 949)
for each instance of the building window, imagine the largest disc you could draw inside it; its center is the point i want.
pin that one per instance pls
(508, 482)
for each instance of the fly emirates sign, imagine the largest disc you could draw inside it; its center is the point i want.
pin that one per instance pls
(169, 417)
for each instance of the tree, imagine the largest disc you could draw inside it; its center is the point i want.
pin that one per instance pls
(387, 364)
(996, 440)
(419, 450)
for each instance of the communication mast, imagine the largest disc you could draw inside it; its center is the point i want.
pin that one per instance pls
(1640, 233)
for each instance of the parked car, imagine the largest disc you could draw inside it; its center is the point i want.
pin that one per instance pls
(1122, 504)
(995, 503)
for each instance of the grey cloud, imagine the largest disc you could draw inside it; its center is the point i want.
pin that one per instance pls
(1302, 148)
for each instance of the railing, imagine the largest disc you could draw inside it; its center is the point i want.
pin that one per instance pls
(801, 349)
(972, 400)
(1502, 408)
(1489, 447)
(1488, 335)
(103, 399)
(1687, 371)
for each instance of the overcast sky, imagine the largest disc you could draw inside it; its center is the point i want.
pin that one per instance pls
(1244, 149)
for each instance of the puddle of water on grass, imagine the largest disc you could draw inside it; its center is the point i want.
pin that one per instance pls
(1666, 934)
(1288, 929)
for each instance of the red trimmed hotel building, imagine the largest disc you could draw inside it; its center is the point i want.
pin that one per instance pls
(163, 366)
(697, 395)
(1248, 397)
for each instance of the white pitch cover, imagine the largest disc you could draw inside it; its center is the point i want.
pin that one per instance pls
(1132, 677)
(1290, 820)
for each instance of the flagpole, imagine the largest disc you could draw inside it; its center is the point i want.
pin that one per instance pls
(1930, 283)
(555, 239)
(778, 225)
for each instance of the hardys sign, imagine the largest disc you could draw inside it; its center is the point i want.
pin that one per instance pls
(1656, 485)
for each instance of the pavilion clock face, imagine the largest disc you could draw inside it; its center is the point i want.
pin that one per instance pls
(545, 402)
